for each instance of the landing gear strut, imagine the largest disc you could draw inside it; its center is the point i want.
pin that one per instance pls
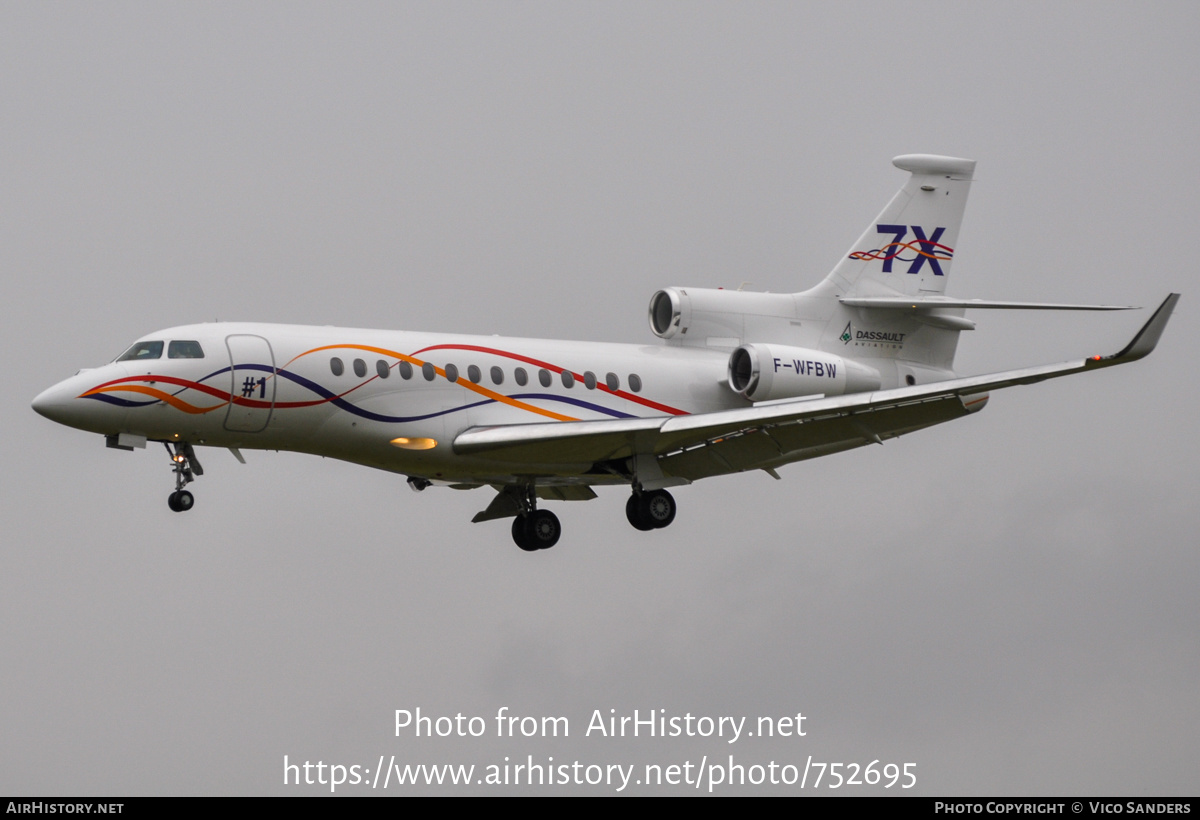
(650, 510)
(186, 467)
(535, 529)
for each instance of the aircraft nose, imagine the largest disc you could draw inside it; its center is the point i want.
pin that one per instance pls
(62, 403)
(51, 403)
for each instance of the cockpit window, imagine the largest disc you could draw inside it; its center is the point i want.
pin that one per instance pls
(184, 350)
(142, 350)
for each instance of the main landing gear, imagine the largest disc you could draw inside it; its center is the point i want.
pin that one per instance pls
(186, 467)
(651, 510)
(538, 530)
(534, 529)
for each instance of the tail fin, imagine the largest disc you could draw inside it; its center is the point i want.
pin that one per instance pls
(909, 247)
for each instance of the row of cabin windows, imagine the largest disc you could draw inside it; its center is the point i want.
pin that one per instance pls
(153, 350)
(475, 375)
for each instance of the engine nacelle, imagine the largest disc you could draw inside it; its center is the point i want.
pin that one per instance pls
(666, 313)
(716, 319)
(763, 372)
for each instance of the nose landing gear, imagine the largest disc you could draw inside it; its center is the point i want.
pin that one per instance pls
(186, 467)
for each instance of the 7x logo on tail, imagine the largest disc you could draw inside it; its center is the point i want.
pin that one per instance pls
(926, 248)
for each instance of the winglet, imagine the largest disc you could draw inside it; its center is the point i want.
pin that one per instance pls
(1145, 340)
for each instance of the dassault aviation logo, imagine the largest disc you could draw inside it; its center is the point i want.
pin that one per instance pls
(925, 249)
(871, 338)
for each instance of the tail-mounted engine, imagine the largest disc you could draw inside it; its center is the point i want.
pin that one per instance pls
(666, 313)
(765, 372)
(715, 319)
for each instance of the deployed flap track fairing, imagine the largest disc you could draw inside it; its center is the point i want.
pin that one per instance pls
(741, 381)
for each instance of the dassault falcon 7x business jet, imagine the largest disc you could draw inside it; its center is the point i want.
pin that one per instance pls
(741, 381)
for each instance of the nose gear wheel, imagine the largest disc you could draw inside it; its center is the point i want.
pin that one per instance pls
(186, 467)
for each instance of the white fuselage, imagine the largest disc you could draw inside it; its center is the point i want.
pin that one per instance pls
(388, 399)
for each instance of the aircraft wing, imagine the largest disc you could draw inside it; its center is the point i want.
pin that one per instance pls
(767, 435)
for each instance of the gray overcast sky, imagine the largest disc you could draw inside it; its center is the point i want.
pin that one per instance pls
(1008, 601)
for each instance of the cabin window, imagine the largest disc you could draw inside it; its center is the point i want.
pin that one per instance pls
(589, 380)
(452, 372)
(335, 365)
(184, 350)
(635, 382)
(474, 375)
(544, 377)
(381, 367)
(568, 379)
(497, 375)
(520, 376)
(428, 371)
(360, 368)
(406, 371)
(142, 350)
(613, 382)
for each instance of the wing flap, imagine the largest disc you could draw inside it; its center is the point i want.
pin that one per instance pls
(788, 441)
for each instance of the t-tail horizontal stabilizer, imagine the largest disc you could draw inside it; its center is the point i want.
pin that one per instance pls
(901, 303)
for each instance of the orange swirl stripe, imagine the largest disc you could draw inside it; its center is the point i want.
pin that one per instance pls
(483, 391)
(603, 388)
(177, 403)
(227, 398)
(879, 254)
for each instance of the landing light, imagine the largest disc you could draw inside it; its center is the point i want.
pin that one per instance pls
(414, 443)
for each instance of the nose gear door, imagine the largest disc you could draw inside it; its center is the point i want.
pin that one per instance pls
(252, 387)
